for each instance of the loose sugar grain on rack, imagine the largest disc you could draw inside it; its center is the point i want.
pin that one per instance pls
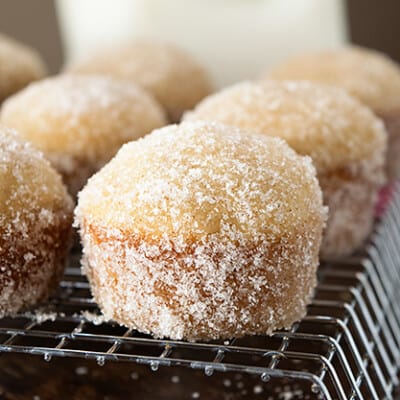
(35, 225)
(345, 140)
(202, 231)
(94, 318)
(80, 122)
(41, 315)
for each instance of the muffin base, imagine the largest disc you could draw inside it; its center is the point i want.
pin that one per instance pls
(351, 195)
(200, 290)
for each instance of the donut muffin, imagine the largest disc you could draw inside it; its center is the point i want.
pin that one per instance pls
(368, 75)
(80, 122)
(199, 231)
(346, 141)
(35, 225)
(170, 74)
(19, 65)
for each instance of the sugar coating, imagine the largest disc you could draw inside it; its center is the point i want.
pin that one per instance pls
(346, 141)
(80, 122)
(19, 65)
(35, 224)
(170, 74)
(323, 122)
(367, 74)
(202, 231)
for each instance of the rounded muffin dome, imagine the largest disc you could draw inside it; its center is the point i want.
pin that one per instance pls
(19, 65)
(169, 73)
(35, 224)
(324, 122)
(368, 75)
(80, 122)
(200, 231)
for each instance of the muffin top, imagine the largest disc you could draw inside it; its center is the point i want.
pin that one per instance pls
(369, 75)
(169, 73)
(187, 181)
(321, 121)
(31, 191)
(87, 117)
(19, 65)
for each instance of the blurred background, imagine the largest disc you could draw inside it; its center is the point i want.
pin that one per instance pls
(372, 23)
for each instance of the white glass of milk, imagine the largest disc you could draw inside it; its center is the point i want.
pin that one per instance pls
(234, 39)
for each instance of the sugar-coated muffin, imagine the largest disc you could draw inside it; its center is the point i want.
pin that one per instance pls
(368, 75)
(35, 225)
(175, 79)
(80, 122)
(19, 65)
(346, 141)
(202, 231)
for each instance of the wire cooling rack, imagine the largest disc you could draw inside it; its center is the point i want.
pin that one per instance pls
(347, 347)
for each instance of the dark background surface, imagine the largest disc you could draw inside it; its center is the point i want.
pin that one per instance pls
(376, 24)
(373, 23)
(34, 23)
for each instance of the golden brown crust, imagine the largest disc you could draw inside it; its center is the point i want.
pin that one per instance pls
(19, 65)
(169, 73)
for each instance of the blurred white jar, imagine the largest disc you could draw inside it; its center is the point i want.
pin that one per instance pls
(234, 39)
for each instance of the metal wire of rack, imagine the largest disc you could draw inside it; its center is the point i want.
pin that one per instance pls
(347, 347)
